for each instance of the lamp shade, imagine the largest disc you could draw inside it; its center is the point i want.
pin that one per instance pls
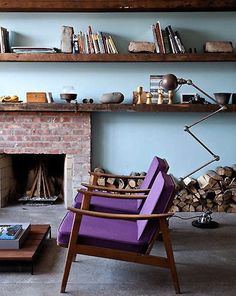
(169, 82)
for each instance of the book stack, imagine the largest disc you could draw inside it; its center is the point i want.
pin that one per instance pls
(13, 235)
(167, 40)
(4, 40)
(93, 43)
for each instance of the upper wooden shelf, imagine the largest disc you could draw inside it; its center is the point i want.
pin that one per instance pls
(65, 107)
(115, 5)
(126, 57)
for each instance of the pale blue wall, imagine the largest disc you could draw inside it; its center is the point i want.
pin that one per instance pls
(127, 141)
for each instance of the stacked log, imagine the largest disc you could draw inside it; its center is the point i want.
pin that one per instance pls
(120, 183)
(215, 191)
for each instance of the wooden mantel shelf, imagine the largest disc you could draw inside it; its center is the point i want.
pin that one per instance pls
(116, 5)
(124, 57)
(65, 107)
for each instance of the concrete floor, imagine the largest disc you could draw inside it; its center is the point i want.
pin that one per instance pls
(206, 262)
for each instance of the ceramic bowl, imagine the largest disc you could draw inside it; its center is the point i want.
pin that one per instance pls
(222, 98)
(68, 97)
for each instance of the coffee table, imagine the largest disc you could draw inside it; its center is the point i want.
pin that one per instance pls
(31, 247)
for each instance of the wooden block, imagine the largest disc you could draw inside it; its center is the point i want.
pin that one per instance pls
(143, 97)
(36, 97)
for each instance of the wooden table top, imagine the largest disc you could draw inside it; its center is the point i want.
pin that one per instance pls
(37, 235)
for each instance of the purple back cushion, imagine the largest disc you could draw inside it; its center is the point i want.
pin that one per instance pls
(150, 203)
(157, 165)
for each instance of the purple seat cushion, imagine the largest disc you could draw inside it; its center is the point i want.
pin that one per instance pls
(111, 205)
(150, 203)
(106, 233)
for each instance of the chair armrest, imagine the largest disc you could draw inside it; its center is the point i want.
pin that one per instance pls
(90, 186)
(111, 195)
(120, 216)
(115, 176)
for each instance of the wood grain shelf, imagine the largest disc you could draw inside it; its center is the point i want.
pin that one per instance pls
(60, 107)
(118, 58)
(115, 5)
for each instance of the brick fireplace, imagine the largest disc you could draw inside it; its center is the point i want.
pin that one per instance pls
(48, 133)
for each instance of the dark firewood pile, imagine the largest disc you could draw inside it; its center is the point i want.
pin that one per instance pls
(118, 182)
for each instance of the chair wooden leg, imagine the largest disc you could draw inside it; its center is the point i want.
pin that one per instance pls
(169, 253)
(66, 272)
(71, 253)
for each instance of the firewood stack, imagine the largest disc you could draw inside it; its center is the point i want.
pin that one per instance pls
(215, 190)
(121, 183)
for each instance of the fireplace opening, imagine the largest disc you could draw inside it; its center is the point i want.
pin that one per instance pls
(37, 177)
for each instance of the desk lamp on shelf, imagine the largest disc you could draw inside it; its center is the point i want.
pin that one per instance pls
(170, 82)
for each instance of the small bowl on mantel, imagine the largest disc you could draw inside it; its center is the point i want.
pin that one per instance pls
(222, 98)
(68, 97)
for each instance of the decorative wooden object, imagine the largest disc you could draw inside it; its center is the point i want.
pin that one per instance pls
(116, 5)
(36, 97)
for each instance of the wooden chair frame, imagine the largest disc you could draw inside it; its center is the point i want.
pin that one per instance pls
(74, 248)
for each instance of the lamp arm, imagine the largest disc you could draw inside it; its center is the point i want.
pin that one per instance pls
(216, 158)
(205, 118)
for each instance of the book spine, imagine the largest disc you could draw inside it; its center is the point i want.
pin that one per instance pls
(155, 39)
(100, 42)
(95, 43)
(75, 44)
(114, 49)
(180, 43)
(160, 37)
(104, 42)
(90, 38)
(173, 40)
(166, 41)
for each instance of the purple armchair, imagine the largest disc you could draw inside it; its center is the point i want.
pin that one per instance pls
(122, 205)
(127, 237)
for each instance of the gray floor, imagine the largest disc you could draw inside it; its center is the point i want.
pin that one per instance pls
(206, 262)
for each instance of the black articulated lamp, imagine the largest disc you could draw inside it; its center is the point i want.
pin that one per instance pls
(170, 82)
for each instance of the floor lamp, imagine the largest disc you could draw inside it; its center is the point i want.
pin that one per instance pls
(170, 82)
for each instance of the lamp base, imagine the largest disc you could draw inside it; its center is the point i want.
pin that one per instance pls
(205, 221)
(209, 225)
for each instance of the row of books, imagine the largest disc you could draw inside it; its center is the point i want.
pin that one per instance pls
(4, 40)
(93, 43)
(13, 235)
(167, 40)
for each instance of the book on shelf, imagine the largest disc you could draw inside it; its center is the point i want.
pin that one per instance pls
(33, 49)
(166, 40)
(160, 37)
(4, 40)
(90, 43)
(9, 231)
(155, 38)
(18, 241)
